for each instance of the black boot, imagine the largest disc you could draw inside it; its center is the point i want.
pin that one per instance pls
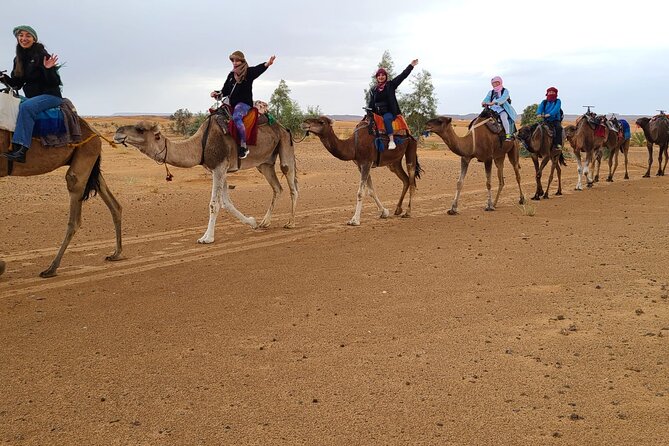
(17, 154)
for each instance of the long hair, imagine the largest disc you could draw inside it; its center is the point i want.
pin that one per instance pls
(21, 52)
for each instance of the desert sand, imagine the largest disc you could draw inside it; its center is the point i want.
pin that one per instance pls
(485, 328)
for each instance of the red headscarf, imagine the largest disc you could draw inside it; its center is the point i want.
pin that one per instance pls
(380, 86)
(551, 94)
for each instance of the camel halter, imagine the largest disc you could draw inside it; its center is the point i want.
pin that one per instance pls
(471, 130)
(168, 174)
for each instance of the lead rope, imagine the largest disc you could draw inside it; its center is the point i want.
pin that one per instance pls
(471, 130)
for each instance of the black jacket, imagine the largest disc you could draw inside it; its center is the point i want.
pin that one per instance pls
(389, 93)
(243, 91)
(36, 79)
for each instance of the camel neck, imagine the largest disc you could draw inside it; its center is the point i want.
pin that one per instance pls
(187, 153)
(460, 145)
(340, 149)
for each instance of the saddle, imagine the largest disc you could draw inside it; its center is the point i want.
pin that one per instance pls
(252, 121)
(58, 126)
(494, 124)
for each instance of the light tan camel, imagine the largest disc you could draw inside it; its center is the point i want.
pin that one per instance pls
(582, 139)
(538, 141)
(482, 144)
(656, 131)
(360, 149)
(219, 156)
(82, 177)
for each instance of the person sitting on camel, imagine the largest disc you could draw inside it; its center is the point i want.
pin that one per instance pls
(383, 101)
(238, 87)
(36, 71)
(498, 99)
(550, 109)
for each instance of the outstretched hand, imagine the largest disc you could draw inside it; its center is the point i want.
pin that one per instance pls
(414, 62)
(50, 62)
(270, 61)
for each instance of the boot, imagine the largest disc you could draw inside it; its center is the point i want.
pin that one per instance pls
(243, 151)
(17, 154)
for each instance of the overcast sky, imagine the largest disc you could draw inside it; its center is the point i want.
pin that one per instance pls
(159, 56)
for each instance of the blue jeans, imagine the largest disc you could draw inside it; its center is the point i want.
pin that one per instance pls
(27, 111)
(388, 119)
(238, 114)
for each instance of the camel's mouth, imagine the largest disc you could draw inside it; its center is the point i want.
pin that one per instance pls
(121, 139)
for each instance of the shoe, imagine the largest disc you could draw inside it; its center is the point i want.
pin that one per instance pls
(243, 151)
(509, 137)
(391, 145)
(17, 154)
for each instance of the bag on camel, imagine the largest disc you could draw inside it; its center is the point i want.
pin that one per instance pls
(9, 110)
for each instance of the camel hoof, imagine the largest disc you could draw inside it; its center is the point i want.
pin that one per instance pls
(627, 177)
(557, 193)
(452, 212)
(205, 240)
(384, 214)
(489, 209)
(609, 180)
(578, 188)
(289, 225)
(353, 222)
(406, 215)
(398, 211)
(646, 175)
(522, 200)
(263, 225)
(114, 258)
(596, 180)
(590, 185)
(536, 197)
(47, 273)
(252, 223)
(545, 196)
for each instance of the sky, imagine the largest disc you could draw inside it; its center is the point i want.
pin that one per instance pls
(150, 56)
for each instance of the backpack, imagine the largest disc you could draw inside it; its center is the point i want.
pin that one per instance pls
(500, 94)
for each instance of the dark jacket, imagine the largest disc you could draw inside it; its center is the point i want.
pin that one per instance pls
(388, 93)
(36, 79)
(243, 91)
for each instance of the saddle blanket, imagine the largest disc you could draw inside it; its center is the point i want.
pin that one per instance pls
(600, 131)
(627, 132)
(399, 124)
(250, 124)
(58, 126)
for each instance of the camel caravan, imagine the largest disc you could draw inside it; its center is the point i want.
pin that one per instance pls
(229, 141)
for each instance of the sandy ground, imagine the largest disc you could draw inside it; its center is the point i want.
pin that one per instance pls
(486, 328)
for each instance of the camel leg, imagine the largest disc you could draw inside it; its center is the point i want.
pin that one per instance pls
(598, 162)
(372, 193)
(579, 169)
(587, 166)
(464, 165)
(116, 212)
(269, 173)
(550, 176)
(75, 186)
(397, 169)
(411, 168)
(559, 175)
(289, 170)
(490, 206)
(649, 145)
(514, 159)
(364, 174)
(613, 160)
(661, 167)
(537, 176)
(219, 196)
(626, 149)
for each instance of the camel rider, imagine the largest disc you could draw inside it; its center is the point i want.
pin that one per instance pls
(36, 71)
(238, 88)
(382, 99)
(499, 101)
(550, 110)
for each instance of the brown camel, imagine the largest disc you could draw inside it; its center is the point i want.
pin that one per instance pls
(482, 144)
(360, 149)
(219, 156)
(582, 139)
(616, 142)
(82, 177)
(538, 141)
(656, 131)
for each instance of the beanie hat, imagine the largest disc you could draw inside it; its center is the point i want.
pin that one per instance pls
(26, 28)
(238, 55)
(381, 71)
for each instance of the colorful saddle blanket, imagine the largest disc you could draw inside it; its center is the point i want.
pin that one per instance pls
(251, 126)
(399, 124)
(58, 126)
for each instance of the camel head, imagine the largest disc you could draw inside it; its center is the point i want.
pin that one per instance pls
(318, 126)
(438, 124)
(525, 134)
(643, 122)
(144, 135)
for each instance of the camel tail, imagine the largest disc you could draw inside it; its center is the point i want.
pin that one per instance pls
(93, 183)
(562, 160)
(419, 169)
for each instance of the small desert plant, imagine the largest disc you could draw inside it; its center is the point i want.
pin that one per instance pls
(638, 139)
(527, 209)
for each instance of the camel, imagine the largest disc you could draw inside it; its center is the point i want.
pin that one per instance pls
(482, 144)
(360, 148)
(538, 141)
(656, 131)
(582, 138)
(83, 177)
(616, 142)
(219, 156)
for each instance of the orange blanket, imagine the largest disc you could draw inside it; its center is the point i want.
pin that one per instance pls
(399, 124)
(251, 126)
